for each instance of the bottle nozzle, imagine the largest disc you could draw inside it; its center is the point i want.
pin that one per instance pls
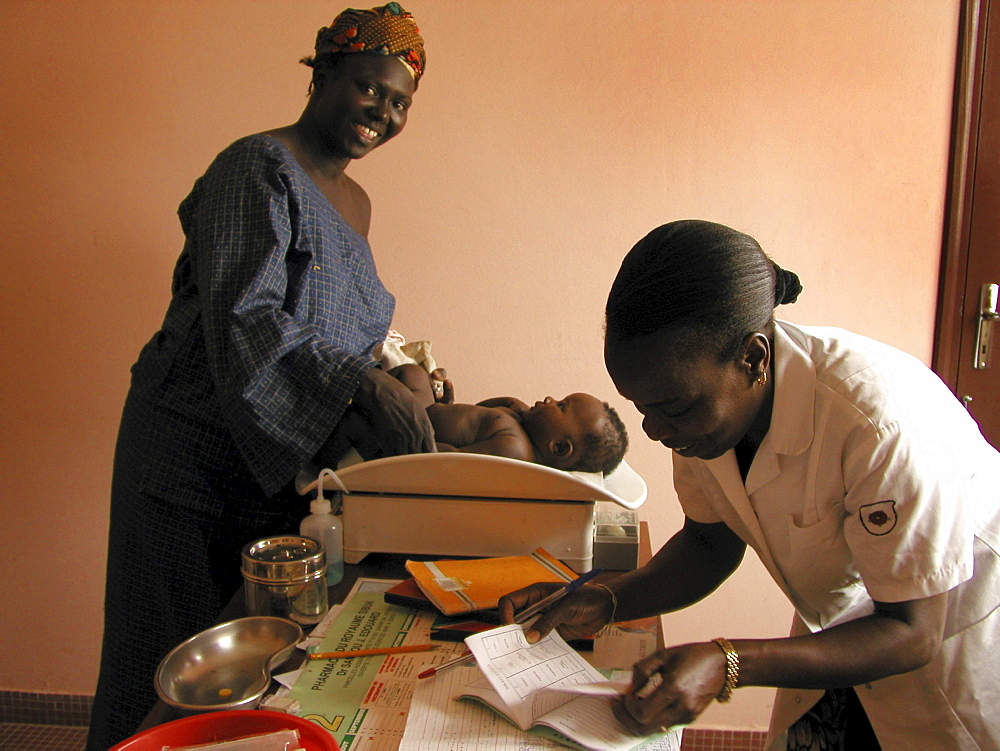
(320, 506)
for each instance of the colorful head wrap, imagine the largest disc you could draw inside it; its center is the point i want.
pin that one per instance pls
(385, 30)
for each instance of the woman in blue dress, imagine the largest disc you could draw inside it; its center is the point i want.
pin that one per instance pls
(270, 334)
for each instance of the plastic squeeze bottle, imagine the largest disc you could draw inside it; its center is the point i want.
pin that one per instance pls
(325, 527)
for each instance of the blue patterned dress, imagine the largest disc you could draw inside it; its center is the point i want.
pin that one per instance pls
(276, 309)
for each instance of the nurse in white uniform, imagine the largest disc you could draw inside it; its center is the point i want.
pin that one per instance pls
(863, 485)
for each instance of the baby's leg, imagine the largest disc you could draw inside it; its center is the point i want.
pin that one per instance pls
(417, 380)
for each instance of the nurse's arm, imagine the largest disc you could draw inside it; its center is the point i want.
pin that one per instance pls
(693, 563)
(897, 638)
(690, 566)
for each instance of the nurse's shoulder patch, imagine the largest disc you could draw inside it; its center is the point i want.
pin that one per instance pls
(879, 518)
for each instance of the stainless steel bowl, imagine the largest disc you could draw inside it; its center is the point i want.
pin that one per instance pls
(227, 666)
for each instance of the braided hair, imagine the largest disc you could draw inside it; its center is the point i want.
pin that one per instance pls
(710, 285)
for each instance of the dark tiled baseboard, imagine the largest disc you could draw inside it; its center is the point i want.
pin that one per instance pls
(45, 709)
(24, 737)
(707, 739)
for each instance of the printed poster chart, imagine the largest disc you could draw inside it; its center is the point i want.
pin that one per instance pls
(364, 701)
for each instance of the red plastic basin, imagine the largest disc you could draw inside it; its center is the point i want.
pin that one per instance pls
(225, 726)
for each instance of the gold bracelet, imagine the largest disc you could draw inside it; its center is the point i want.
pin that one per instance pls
(614, 607)
(732, 669)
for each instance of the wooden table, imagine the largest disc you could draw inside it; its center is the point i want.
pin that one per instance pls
(373, 566)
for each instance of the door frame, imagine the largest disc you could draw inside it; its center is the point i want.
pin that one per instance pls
(958, 208)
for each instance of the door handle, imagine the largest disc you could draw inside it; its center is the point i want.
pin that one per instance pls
(984, 327)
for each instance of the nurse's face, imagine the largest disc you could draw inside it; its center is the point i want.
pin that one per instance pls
(690, 401)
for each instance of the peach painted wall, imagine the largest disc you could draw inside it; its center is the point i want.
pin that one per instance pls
(545, 140)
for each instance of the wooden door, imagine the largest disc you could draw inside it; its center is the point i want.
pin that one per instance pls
(971, 258)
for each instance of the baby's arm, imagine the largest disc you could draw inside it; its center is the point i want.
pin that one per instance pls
(516, 406)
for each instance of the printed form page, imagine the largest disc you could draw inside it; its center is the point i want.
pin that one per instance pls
(518, 670)
(438, 722)
(532, 680)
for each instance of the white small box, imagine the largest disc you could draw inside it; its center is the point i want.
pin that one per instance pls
(616, 538)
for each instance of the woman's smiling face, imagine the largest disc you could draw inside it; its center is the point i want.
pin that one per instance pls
(361, 103)
(691, 402)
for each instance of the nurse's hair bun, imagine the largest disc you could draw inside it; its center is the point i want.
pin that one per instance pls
(786, 286)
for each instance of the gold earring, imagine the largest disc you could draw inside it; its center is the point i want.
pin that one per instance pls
(762, 378)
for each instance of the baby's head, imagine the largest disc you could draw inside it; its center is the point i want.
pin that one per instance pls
(578, 433)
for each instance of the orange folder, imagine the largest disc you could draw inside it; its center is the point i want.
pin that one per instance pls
(465, 586)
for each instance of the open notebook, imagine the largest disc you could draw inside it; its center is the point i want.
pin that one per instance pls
(549, 689)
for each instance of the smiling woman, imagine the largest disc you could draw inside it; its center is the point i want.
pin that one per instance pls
(276, 311)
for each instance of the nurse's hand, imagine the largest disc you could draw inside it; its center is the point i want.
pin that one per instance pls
(576, 616)
(671, 687)
(399, 423)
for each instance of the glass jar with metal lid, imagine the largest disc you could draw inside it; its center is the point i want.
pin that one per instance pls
(286, 577)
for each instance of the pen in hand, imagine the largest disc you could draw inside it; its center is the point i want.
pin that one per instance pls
(520, 618)
(556, 596)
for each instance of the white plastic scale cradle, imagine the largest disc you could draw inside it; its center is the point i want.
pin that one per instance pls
(457, 504)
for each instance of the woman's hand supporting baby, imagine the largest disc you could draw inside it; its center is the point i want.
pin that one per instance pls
(399, 423)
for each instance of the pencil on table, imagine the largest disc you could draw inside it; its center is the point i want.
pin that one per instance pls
(371, 652)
